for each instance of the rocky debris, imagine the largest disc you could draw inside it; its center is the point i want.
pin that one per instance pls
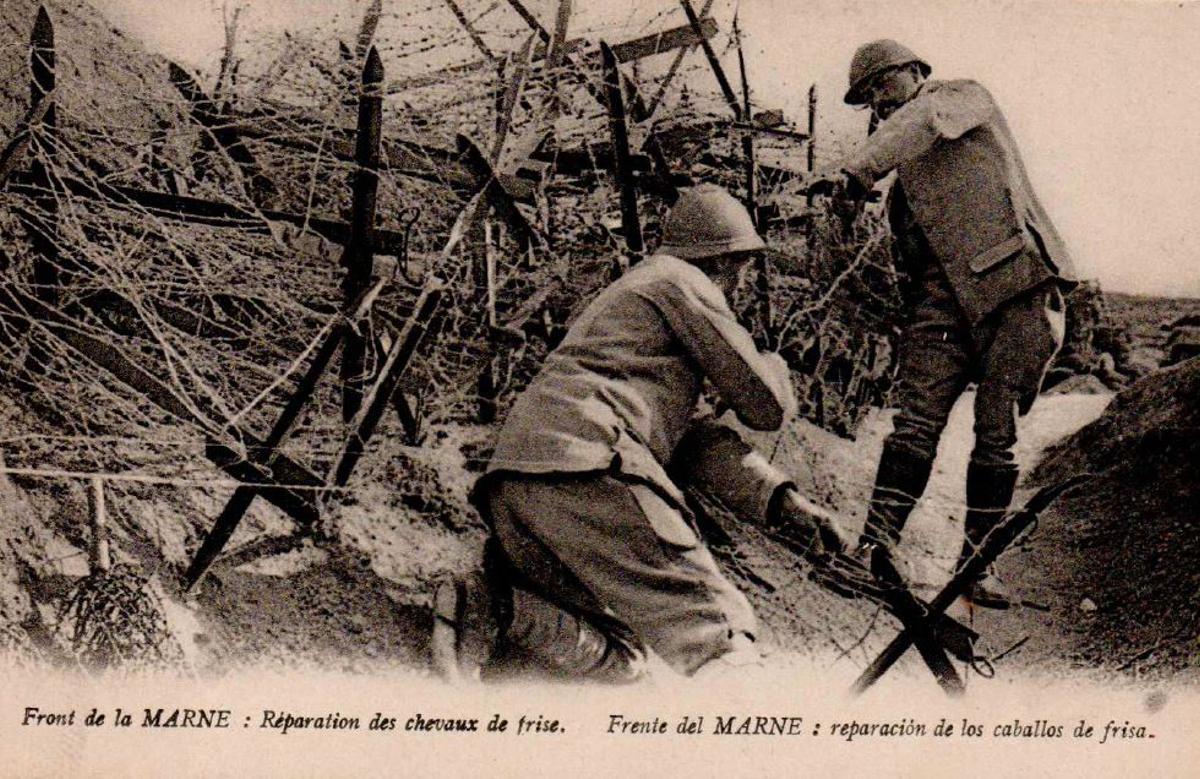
(1095, 343)
(1183, 343)
(1081, 384)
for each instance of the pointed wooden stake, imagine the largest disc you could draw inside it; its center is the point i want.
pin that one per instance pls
(360, 252)
(99, 558)
(622, 167)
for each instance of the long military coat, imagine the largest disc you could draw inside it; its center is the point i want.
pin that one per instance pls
(962, 173)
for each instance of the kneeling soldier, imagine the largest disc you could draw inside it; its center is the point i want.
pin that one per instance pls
(595, 557)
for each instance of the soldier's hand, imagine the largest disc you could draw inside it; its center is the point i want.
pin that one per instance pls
(801, 519)
(841, 185)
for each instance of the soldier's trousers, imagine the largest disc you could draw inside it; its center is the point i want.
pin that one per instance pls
(1006, 354)
(624, 559)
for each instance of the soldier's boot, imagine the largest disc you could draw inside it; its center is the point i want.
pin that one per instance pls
(480, 616)
(899, 483)
(989, 491)
(568, 644)
(471, 614)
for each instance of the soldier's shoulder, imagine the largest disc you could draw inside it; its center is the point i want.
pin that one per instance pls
(666, 269)
(663, 276)
(962, 85)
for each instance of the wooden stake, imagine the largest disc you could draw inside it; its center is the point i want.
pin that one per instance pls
(811, 157)
(554, 57)
(470, 28)
(622, 169)
(220, 133)
(45, 234)
(999, 539)
(714, 63)
(747, 137)
(363, 425)
(243, 497)
(99, 559)
(359, 255)
(206, 212)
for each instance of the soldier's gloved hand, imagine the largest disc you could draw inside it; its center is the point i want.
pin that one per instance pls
(855, 188)
(839, 185)
(809, 525)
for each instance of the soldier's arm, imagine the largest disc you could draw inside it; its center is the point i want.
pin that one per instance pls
(756, 386)
(935, 114)
(714, 459)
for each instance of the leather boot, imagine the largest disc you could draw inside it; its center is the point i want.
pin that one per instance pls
(568, 644)
(899, 483)
(480, 616)
(989, 491)
(471, 615)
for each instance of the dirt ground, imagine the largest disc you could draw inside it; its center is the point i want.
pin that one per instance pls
(362, 605)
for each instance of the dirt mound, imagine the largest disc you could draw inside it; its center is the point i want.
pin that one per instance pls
(1123, 551)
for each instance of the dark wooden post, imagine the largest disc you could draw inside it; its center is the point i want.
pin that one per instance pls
(994, 544)
(766, 313)
(811, 157)
(360, 251)
(811, 160)
(622, 166)
(44, 232)
(471, 31)
(747, 135)
(637, 112)
(675, 63)
(399, 356)
(99, 557)
(243, 496)
(713, 62)
(554, 57)
(220, 134)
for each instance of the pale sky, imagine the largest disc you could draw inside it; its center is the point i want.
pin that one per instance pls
(1103, 96)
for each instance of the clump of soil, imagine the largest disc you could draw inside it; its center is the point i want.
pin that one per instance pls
(1124, 547)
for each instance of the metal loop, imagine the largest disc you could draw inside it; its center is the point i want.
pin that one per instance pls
(983, 666)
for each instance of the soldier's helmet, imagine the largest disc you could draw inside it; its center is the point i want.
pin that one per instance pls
(706, 221)
(873, 58)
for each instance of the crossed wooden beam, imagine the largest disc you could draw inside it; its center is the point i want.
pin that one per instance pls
(264, 470)
(924, 624)
(364, 408)
(921, 620)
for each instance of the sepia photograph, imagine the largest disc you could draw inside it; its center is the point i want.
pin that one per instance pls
(656, 387)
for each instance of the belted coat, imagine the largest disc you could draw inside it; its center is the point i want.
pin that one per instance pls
(964, 180)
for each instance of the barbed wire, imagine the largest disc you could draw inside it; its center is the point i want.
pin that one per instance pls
(214, 318)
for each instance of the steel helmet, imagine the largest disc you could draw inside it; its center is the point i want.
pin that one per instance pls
(707, 221)
(872, 59)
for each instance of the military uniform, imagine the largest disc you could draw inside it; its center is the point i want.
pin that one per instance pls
(983, 266)
(578, 491)
(595, 557)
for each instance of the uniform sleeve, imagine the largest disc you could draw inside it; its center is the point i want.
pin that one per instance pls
(757, 387)
(714, 459)
(946, 112)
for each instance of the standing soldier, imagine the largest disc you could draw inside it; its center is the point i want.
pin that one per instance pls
(595, 556)
(985, 268)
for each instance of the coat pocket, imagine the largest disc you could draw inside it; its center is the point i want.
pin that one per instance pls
(998, 254)
(667, 522)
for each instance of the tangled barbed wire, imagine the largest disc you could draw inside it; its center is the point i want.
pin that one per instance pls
(174, 268)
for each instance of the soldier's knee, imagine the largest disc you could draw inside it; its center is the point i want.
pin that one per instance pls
(917, 434)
